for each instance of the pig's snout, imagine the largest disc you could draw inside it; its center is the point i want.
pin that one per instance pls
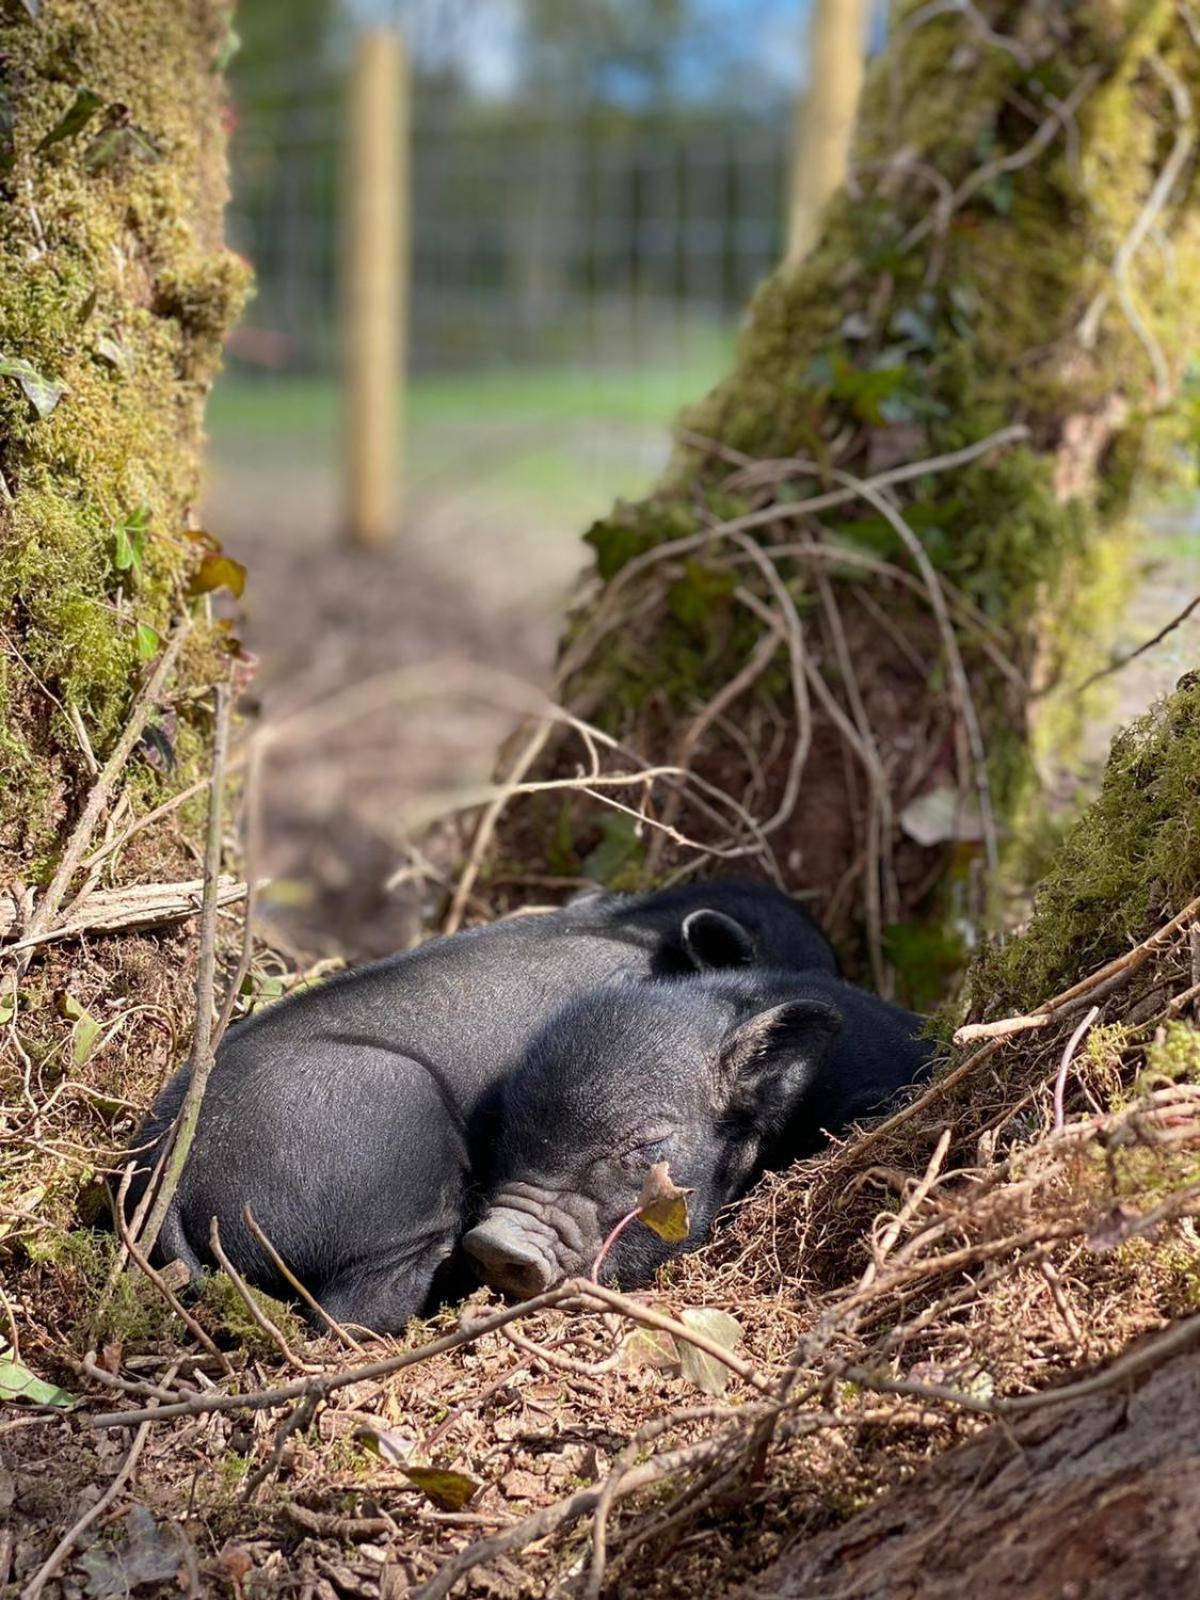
(507, 1258)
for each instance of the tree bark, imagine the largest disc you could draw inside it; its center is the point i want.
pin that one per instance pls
(1100, 1498)
(989, 267)
(116, 294)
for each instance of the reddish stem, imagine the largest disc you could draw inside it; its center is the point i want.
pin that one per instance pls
(611, 1240)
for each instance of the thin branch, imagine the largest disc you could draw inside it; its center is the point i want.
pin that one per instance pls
(1132, 655)
(323, 1386)
(183, 1130)
(1060, 117)
(257, 1314)
(81, 835)
(563, 1514)
(607, 618)
(959, 681)
(1103, 981)
(69, 1539)
(285, 1271)
(1060, 1082)
(1160, 193)
(252, 855)
(156, 1278)
(797, 658)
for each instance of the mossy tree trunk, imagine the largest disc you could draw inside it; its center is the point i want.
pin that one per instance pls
(116, 291)
(1018, 248)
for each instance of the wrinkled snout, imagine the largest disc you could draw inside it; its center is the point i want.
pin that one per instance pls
(508, 1258)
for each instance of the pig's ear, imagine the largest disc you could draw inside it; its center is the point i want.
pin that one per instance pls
(769, 1063)
(712, 941)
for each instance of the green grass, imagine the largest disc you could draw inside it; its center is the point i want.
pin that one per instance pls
(281, 408)
(555, 444)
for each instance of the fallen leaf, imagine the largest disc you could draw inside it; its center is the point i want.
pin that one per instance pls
(662, 1205)
(18, 1383)
(206, 540)
(218, 572)
(518, 1484)
(236, 1560)
(42, 393)
(387, 1443)
(942, 815)
(23, 1205)
(705, 1371)
(649, 1347)
(145, 1552)
(449, 1491)
(109, 350)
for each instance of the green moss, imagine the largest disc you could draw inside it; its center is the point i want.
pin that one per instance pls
(972, 328)
(223, 1311)
(115, 284)
(1132, 861)
(1174, 1056)
(132, 1312)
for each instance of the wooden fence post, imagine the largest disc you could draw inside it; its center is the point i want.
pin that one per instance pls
(825, 120)
(376, 285)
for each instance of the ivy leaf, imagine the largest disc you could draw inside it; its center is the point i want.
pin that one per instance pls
(662, 1205)
(86, 1030)
(78, 114)
(218, 572)
(7, 1011)
(230, 46)
(129, 540)
(42, 393)
(697, 1366)
(148, 641)
(619, 847)
(123, 556)
(449, 1491)
(18, 1383)
(119, 137)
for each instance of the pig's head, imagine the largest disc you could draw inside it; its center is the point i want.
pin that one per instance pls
(701, 1074)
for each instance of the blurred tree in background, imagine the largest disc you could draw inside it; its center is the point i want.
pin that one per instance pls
(988, 266)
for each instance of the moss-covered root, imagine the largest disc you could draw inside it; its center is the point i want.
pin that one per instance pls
(1128, 865)
(115, 294)
(1008, 152)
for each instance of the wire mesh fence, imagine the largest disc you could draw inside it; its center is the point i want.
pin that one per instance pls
(537, 236)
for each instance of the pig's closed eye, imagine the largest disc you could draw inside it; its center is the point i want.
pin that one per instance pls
(648, 1152)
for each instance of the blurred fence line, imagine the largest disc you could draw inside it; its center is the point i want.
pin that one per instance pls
(538, 236)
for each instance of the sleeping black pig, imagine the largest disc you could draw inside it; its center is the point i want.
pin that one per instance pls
(341, 1114)
(721, 1077)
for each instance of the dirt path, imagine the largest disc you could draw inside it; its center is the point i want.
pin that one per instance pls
(474, 575)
